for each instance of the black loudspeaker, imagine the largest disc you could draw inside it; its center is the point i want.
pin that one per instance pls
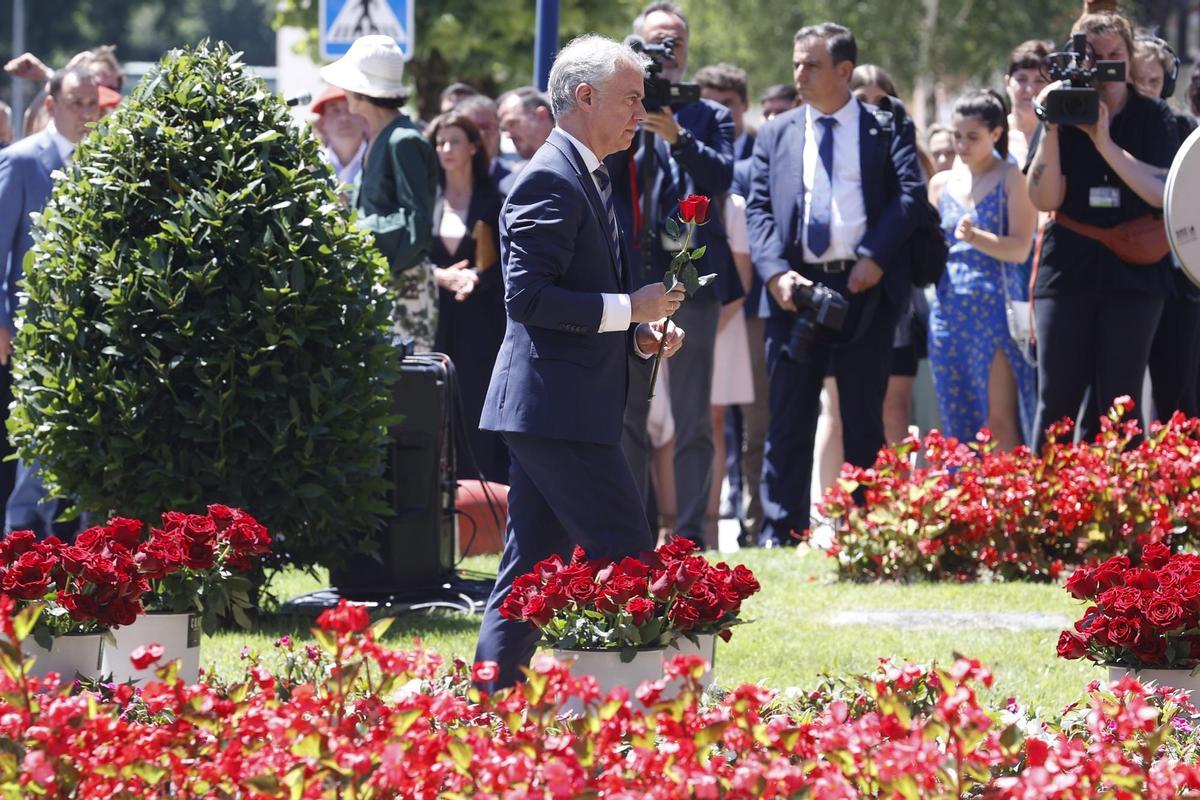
(414, 547)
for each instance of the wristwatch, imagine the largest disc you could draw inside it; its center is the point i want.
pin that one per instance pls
(684, 141)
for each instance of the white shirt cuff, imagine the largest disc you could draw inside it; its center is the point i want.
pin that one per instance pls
(637, 349)
(617, 313)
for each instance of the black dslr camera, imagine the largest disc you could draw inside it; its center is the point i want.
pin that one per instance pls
(821, 311)
(1077, 102)
(660, 92)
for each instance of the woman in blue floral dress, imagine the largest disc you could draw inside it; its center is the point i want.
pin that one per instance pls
(981, 376)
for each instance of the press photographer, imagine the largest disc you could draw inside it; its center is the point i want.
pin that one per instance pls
(1104, 270)
(686, 147)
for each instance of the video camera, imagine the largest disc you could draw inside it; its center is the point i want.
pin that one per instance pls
(660, 92)
(821, 311)
(1077, 102)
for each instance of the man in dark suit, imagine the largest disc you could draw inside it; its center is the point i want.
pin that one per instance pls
(832, 201)
(558, 388)
(25, 168)
(690, 152)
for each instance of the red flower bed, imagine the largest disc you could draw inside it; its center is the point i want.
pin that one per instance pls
(971, 511)
(348, 717)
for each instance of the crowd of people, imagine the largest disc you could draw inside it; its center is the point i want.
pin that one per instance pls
(803, 352)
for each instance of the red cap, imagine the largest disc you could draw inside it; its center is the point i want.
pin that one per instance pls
(330, 94)
(108, 97)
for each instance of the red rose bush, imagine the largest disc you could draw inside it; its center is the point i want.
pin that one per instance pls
(1143, 615)
(942, 509)
(347, 717)
(649, 601)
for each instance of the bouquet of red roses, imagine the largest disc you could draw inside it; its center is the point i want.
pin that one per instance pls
(196, 563)
(1142, 615)
(81, 588)
(648, 601)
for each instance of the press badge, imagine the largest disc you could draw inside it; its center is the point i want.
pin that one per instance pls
(1105, 197)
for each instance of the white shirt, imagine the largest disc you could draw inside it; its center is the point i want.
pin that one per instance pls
(347, 172)
(64, 146)
(848, 212)
(618, 308)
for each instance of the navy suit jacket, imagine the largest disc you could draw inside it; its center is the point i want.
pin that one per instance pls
(704, 166)
(892, 187)
(555, 376)
(25, 186)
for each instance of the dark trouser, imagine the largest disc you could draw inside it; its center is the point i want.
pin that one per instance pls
(861, 368)
(561, 494)
(1096, 341)
(691, 407)
(746, 435)
(1175, 352)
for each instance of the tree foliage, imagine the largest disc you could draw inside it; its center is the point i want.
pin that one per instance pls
(143, 29)
(203, 323)
(486, 43)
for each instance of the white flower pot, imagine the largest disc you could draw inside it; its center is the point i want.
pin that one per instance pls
(1184, 679)
(179, 635)
(68, 655)
(610, 671)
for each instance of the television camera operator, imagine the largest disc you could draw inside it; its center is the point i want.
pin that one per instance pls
(1103, 274)
(685, 147)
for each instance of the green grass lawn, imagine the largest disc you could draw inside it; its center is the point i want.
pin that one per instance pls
(791, 640)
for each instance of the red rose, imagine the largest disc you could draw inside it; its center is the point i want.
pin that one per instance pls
(172, 520)
(641, 609)
(1071, 645)
(120, 611)
(81, 607)
(30, 577)
(1120, 600)
(1110, 572)
(683, 615)
(1156, 555)
(1082, 584)
(200, 529)
(222, 516)
(1142, 579)
(485, 671)
(694, 208)
(145, 655)
(744, 582)
(126, 532)
(161, 556)
(1165, 613)
(582, 590)
(18, 542)
(547, 567)
(198, 555)
(345, 618)
(248, 537)
(537, 611)
(633, 567)
(1122, 632)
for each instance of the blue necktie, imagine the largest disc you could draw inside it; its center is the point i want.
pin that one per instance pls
(822, 191)
(605, 184)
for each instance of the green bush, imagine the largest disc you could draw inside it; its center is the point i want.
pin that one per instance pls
(203, 322)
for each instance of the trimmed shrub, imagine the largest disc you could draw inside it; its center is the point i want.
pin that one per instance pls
(203, 321)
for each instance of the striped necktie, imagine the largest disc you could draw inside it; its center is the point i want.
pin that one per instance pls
(605, 184)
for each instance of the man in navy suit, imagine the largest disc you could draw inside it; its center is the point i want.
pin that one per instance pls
(558, 388)
(25, 184)
(832, 201)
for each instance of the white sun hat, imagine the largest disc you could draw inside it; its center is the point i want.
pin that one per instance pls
(373, 66)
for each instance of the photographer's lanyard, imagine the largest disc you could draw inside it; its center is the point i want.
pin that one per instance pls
(635, 194)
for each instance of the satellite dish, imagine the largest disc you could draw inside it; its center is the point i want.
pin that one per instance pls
(1181, 206)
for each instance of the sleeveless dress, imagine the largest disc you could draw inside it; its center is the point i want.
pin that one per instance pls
(967, 323)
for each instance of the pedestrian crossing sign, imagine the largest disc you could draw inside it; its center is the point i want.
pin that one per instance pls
(343, 21)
